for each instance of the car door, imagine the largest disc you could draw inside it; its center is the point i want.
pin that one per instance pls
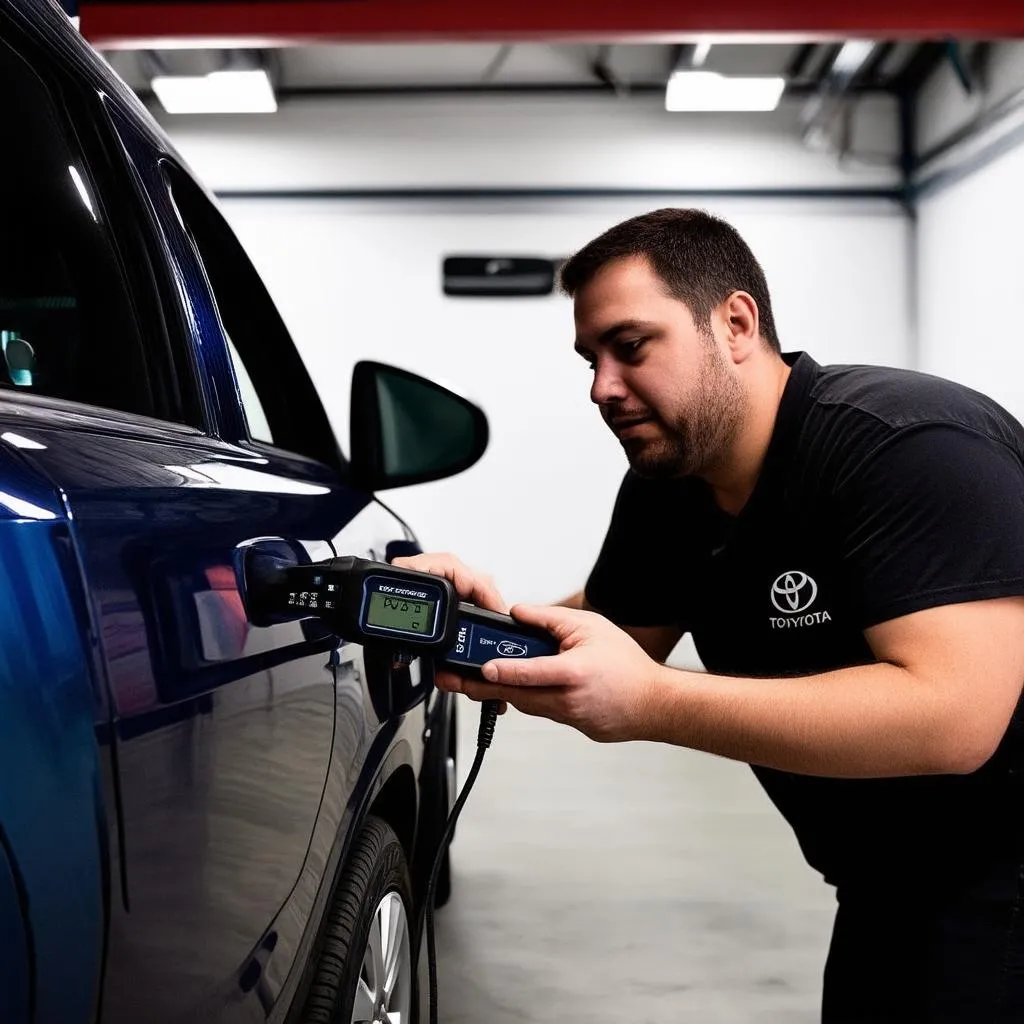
(230, 746)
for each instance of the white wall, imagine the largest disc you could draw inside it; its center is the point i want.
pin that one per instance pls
(357, 279)
(363, 280)
(571, 142)
(971, 279)
(970, 269)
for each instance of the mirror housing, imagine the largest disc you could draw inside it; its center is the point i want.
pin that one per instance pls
(407, 430)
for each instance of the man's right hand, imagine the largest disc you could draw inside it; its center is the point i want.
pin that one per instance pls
(475, 587)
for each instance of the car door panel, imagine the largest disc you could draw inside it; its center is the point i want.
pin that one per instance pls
(209, 264)
(52, 862)
(223, 731)
(363, 734)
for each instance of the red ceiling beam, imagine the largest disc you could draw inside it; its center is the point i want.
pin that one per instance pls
(286, 22)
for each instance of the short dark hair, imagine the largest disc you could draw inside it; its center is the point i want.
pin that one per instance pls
(701, 259)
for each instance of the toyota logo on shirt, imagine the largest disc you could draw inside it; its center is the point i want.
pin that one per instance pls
(792, 593)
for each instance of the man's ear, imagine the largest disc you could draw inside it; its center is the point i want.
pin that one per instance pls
(740, 317)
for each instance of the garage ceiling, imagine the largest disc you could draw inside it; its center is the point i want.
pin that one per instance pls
(354, 69)
(339, 47)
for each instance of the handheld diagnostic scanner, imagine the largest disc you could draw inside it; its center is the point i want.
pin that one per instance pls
(375, 603)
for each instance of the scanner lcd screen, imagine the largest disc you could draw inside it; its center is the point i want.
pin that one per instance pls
(387, 611)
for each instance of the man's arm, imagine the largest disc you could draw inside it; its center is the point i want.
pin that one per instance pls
(938, 701)
(657, 641)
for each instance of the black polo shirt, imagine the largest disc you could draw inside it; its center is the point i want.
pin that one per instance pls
(883, 492)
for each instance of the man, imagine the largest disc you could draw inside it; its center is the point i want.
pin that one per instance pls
(846, 546)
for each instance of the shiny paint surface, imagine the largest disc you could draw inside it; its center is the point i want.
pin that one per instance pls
(15, 966)
(187, 783)
(231, 740)
(51, 848)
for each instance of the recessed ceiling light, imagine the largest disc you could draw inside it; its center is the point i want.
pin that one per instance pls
(220, 92)
(710, 91)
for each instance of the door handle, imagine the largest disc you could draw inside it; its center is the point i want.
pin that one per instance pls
(259, 568)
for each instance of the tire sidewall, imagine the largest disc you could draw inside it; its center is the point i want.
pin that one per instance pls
(390, 875)
(362, 891)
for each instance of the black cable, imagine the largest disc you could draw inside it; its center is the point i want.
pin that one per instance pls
(488, 720)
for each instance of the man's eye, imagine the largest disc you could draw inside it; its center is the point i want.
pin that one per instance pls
(631, 348)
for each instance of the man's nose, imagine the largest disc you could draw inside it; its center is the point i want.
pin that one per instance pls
(607, 385)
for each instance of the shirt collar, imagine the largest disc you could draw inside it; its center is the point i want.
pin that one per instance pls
(796, 400)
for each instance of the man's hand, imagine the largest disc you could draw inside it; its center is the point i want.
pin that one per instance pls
(599, 683)
(475, 587)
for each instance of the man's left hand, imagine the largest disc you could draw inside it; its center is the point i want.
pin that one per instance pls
(600, 682)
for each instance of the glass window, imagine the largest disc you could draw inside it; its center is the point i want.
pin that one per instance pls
(67, 325)
(259, 428)
(280, 401)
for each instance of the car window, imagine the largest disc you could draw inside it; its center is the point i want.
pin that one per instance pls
(279, 398)
(67, 324)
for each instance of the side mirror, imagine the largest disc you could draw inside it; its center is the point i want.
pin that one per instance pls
(406, 429)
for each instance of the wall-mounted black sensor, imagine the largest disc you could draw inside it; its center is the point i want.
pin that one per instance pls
(498, 276)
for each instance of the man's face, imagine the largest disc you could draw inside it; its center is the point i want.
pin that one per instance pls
(667, 389)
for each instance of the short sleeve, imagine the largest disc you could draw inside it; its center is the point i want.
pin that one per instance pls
(933, 516)
(650, 530)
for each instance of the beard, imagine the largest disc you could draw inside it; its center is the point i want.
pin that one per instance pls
(700, 437)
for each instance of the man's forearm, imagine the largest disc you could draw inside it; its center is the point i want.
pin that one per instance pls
(864, 722)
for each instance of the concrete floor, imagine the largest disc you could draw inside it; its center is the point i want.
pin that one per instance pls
(624, 883)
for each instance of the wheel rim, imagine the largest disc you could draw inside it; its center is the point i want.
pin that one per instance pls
(384, 989)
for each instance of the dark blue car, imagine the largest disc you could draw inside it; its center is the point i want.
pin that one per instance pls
(201, 819)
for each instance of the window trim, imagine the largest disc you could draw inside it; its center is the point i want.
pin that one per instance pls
(153, 273)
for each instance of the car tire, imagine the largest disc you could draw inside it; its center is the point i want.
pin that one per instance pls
(369, 933)
(438, 797)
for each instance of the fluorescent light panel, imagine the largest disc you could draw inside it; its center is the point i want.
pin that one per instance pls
(710, 91)
(220, 92)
